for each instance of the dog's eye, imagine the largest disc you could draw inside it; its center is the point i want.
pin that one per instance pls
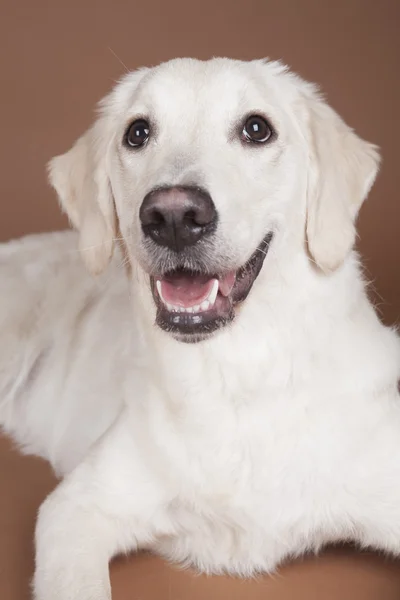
(137, 134)
(256, 129)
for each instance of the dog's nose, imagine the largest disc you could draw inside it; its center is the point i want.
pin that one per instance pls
(177, 217)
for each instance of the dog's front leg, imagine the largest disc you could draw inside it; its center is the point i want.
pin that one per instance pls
(113, 502)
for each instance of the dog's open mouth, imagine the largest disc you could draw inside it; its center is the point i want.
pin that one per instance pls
(192, 305)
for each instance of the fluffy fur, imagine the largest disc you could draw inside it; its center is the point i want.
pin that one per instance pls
(279, 433)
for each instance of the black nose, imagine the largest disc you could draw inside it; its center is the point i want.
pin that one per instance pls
(177, 217)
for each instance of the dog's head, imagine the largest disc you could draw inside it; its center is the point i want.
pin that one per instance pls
(200, 167)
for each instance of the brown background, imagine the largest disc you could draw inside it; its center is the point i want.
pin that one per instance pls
(56, 60)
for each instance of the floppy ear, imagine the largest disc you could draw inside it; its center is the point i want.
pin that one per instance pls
(82, 184)
(343, 168)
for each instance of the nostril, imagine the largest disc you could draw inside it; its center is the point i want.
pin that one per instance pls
(151, 216)
(200, 216)
(190, 218)
(191, 214)
(156, 218)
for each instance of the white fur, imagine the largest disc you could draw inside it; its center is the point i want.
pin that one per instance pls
(279, 433)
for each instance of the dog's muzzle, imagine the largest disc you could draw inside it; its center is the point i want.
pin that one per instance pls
(192, 299)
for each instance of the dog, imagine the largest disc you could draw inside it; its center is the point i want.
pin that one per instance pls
(198, 358)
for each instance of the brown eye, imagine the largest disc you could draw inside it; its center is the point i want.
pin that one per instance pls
(138, 133)
(256, 129)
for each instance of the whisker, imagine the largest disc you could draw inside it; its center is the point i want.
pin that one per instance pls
(118, 59)
(99, 245)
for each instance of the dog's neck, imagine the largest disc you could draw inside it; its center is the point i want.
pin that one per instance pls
(282, 332)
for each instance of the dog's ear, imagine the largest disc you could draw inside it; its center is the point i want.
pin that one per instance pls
(342, 168)
(81, 181)
(81, 177)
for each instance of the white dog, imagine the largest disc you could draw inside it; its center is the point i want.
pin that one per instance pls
(233, 401)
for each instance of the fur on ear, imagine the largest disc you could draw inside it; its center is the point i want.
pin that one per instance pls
(343, 168)
(81, 181)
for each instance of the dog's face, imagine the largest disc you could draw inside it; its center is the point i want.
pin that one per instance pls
(200, 167)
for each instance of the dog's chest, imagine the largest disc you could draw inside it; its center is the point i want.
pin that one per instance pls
(227, 436)
(233, 508)
(229, 451)
(248, 459)
(244, 487)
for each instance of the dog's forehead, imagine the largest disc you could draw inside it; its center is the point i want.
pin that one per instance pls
(213, 88)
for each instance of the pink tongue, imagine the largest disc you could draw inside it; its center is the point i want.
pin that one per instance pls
(226, 283)
(185, 290)
(191, 290)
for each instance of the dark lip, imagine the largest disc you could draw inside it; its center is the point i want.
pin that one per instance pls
(191, 328)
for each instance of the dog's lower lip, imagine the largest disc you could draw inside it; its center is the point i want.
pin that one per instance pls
(189, 305)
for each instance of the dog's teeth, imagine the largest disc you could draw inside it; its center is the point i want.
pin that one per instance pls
(204, 306)
(213, 293)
